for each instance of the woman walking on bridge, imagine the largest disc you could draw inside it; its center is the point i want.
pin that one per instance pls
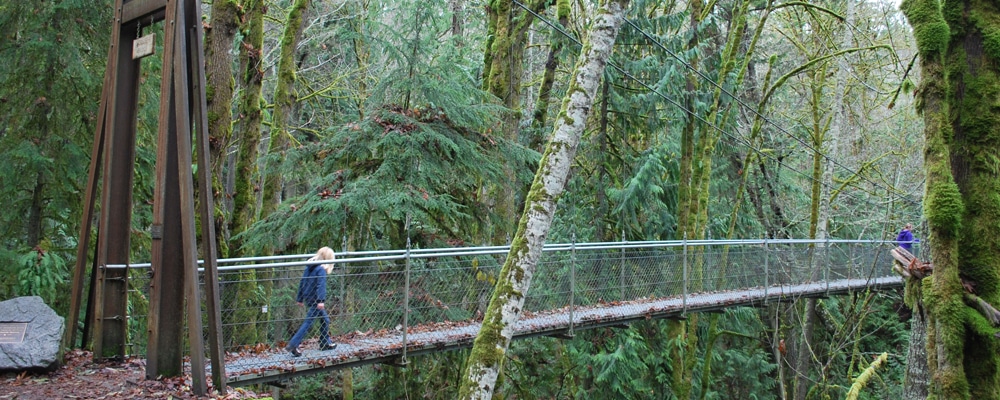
(905, 238)
(312, 292)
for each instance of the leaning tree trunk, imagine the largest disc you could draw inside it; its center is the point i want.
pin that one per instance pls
(486, 358)
(958, 91)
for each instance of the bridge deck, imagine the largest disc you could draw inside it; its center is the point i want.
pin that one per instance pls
(272, 365)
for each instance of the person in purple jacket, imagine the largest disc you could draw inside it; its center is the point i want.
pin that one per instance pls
(312, 293)
(905, 238)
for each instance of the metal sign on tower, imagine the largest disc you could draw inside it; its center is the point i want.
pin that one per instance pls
(175, 293)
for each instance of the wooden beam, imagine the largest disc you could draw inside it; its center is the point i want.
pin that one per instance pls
(89, 200)
(110, 293)
(140, 9)
(199, 105)
(182, 104)
(164, 354)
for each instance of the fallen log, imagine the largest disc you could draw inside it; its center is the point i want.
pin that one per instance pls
(908, 265)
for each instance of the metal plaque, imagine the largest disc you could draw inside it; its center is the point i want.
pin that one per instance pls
(12, 332)
(143, 46)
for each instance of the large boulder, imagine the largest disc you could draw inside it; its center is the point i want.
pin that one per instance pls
(30, 335)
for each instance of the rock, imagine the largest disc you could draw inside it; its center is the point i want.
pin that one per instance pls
(30, 335)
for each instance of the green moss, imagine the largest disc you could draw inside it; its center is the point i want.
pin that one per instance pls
(954, 14)
(991, 39)
(943, 206)
(487, 349)
(912, 292)
(929, 27)
(562, 9)
(982, 374)
(951, 312)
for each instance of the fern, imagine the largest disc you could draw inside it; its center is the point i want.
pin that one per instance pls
(41, 273)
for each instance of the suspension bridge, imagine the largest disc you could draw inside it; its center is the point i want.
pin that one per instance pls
(386, 306)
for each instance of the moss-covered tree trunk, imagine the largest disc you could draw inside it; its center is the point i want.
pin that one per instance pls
(804, 352)
(685, 185)
(487, 356)
(247, 136)
(248, 126)
(502, 76)
(556, 44)
(219, 38)
(732, 58)
(284, 99)
(959, 94)
(685, 331)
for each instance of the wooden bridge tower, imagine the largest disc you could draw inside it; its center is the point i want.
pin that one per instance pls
(174, 247)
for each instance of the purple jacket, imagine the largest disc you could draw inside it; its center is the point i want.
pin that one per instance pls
(905, 239)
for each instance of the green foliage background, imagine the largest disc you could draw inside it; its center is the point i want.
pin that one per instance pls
(395, 141)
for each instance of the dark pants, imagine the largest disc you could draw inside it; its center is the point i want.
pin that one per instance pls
(314, 314)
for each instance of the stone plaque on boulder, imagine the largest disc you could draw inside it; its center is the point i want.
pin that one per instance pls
(30, 335)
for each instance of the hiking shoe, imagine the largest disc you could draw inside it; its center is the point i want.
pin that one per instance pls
(328, 346)
(295, 351)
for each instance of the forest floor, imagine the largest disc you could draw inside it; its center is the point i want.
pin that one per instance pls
(81, 378)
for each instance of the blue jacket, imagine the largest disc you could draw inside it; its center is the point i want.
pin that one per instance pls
(312, 289)
(904, 239)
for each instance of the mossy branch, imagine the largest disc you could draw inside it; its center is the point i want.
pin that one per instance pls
(801, 68)
(984, 308)
(857, 175)
(865, 376)
(809, 5)
(737, 334)
(336, 84)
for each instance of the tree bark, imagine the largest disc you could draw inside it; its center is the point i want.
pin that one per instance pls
(457, 8)
(250, 115)
(490, 347)
(219, 96)
(34, 223)
(502, 76)
(285, 97)
(957, 93)
(556, 44)
(917, 377)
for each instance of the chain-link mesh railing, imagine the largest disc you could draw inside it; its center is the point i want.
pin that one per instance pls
(392, 302)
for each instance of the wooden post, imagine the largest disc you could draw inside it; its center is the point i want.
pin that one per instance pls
(174, 285)
(110, 300)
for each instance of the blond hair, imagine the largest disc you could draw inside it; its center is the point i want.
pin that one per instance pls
(325, 254)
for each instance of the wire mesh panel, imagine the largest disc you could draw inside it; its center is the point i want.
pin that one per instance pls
(551, 283)
(137, 307)
(385, 304)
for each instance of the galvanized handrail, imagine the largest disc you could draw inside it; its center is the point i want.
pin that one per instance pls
(408, 292)
(390, 255)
